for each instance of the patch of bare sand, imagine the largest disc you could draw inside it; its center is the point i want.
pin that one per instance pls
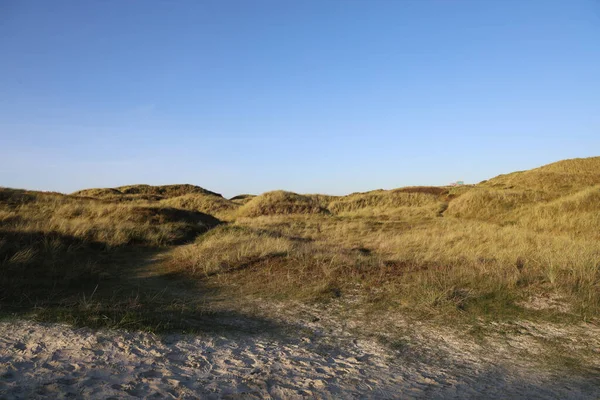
(58, 361)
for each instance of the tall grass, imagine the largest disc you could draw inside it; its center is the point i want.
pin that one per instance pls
(492, 205)
(443, 266)
(382, 203)
(160, 192)
(56, 248)
(577, 215)
(476, 250)
(280, 203)
(209, 204)
(556, 179)
(114, 224)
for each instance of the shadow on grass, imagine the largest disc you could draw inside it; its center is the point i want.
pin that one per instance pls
(53, 277)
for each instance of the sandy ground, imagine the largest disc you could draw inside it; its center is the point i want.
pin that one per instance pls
(58, 361)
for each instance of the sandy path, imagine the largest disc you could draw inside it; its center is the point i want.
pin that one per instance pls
(57, 361)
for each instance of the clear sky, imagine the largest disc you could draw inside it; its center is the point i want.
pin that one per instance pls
(310, 96)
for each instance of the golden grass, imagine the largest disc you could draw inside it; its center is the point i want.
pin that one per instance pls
(243, 198)
(280, 203)
(577, 215)
(556, 179)
(209, 204)
(480, 250)
(574, 166)
(56, 249)
(389, 203)
(144, 192)
(492, 205)
(440, 266)
(494, 248)
(228, 247)
(113, 224)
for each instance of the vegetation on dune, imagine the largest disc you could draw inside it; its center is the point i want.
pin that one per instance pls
(574, 166)
(489, 250)
(444, 267)
(113, 224)
(280, 203)
(388, 201)
(494, 250)
(165, 190)
(98, 193)
(243, 197)
(556, 179)
(54, 249)
(144, 192)
(228, 248)
(213, 205)
(435, 190)
(492, 205)
(323, 200)
(577, 215)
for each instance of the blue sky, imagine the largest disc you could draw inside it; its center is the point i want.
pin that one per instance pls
(309, 96)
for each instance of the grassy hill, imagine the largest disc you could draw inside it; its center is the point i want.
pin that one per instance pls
(554, 180)
(280, 203)
(499, 249)
(56, 248)
(426, 200)
(206, 203)
(144, 192)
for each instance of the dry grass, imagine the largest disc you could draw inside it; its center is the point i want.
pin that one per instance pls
(381, 203)
(144, 192)
(493, 249)
(113, 224)
(473, 251)
(556, 179)
(280, 203)
(443, 266)
(55, 250)
(242, 198)
(323, 200)
(227, 248)
(577, 215)
(209, 204)
(492, 205)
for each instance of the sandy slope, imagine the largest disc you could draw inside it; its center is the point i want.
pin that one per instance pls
(57, 361)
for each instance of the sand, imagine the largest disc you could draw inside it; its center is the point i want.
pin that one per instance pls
(58, 361)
